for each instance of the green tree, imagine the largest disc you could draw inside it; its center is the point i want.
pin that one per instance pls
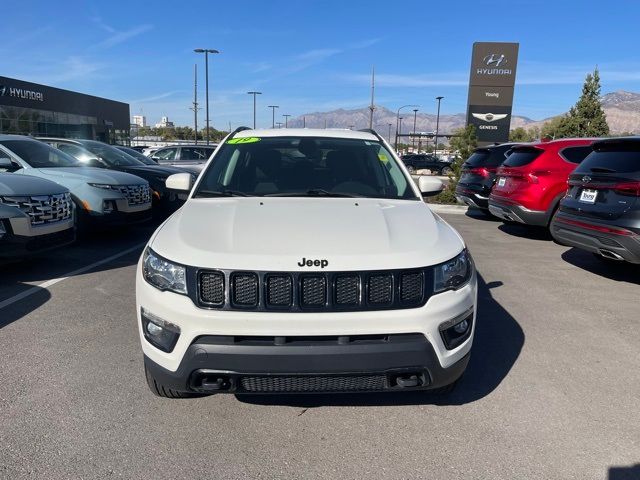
(586, 118)
(519, 135)
(551, 129)
(462, 144)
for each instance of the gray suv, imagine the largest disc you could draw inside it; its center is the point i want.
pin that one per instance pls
(35, 215)
(102, 197)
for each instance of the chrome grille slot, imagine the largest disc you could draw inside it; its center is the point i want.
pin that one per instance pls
(135, 194)
(42, 209)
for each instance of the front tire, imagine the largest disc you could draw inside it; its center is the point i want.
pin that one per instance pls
(411, 169)
(446, 171)
(160, 390)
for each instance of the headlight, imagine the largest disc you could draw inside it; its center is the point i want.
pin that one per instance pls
(163, 274)
(453, 274)
(102, 185)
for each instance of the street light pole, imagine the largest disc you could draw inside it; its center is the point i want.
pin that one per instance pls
(254, 106)
(206, 52)
(390, 124)
(435, 144)
(400, 128)
(415, 114)
(195, 107)
(273, 115)
(397, 121)
(286, 120)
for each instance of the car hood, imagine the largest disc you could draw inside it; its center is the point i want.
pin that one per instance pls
(259, 233)
(11, 184)
(145, 170)
(89, 174)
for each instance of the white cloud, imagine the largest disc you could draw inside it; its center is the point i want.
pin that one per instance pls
(116, 36)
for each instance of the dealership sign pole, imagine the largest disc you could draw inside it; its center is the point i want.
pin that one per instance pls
(491, 86)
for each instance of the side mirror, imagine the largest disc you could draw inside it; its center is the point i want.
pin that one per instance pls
(180, 181)
(429, 186)
(93, 162)
(7, 164)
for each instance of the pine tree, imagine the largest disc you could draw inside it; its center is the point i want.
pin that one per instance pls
(586, 118)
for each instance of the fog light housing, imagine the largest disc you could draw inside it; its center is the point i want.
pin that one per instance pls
(158, 332)
(108, 206)
(457, 330)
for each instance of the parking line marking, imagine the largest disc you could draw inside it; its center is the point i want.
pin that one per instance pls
(53, 281)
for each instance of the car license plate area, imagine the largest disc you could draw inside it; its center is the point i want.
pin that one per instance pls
(588, 196)
(502, 181)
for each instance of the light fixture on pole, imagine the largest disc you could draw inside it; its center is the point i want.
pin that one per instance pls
(286, 120)
(254, 106)
(273, 115)
(206, 52)
(435, 142)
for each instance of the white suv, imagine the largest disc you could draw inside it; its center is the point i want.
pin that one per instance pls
(304, 261)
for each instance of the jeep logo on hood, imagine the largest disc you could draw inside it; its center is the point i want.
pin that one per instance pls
(307, 262)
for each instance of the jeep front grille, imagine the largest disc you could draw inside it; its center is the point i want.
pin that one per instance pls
(42, 209)
(317, 291)
(135, 194)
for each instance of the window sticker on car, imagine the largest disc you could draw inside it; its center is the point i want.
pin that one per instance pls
(383, 158)
(235, 141)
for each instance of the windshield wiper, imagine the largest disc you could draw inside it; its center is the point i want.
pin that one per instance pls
(220, 193)
(314, 192)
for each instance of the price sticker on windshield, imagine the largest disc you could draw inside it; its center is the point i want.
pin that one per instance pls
(243, 140)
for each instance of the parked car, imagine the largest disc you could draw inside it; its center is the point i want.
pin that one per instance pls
(478, 175)
(189, 157)
(601, 212)
(101, 155)
(305, 261)
(415, 162)
(533, 179)
(136, 154)
(102, 197)
(148, 151)
(139, 148)
(36, 215)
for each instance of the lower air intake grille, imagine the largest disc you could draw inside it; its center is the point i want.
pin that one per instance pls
(313, 383)
(380, 289)
(314, 291)
(245, 289)
(212, 288)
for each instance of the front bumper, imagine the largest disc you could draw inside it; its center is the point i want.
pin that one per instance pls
(124, 215)
(513, 212)
(596, 237)
(23, 239)
(219, 342)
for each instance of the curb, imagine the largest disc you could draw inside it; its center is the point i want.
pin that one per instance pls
(453, 209)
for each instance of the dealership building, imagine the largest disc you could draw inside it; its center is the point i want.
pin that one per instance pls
(32, 109)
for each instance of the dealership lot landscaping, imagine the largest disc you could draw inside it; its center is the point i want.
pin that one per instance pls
(549, 392)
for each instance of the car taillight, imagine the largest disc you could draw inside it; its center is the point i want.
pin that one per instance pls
(628, 188)
(483, 172)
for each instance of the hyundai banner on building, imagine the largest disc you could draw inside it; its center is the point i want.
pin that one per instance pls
(491, 85)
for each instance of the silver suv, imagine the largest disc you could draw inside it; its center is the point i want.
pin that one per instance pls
(101, 196)
(35, 215)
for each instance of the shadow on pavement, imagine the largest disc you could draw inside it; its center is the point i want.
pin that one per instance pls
(611, 269)
(478, 214)
(496, 347)
(625, 473)
(526, 231)
(20, 308)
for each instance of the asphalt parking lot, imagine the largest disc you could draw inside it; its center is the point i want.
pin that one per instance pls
(551, 392)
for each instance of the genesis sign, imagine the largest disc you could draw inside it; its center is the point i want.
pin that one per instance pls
(21, 93)
(491, 85)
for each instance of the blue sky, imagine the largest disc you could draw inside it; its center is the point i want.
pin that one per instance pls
(315, 55)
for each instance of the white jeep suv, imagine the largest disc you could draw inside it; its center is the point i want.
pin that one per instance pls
(304, 261)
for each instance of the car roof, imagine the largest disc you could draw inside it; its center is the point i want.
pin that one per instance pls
(16, 137)
(307, 132)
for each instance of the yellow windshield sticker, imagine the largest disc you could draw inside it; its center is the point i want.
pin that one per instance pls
(383, 158)
(236, 141)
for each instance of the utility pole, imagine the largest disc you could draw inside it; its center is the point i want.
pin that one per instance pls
(206, 52)
(390, 132)
(400, 127)
(325, 123)
(254, 106)
(286, 120)
(398, 122)
(304, 122)
(373, 87)
(273, 115)
(435, 143)
(413, 142)
(195, 103)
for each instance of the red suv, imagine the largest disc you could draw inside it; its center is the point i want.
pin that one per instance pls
(533, 179)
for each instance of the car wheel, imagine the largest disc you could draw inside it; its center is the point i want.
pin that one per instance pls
(446, 171)
(161, 391)
(411, 169)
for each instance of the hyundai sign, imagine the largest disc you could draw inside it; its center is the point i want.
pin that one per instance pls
(491, 84)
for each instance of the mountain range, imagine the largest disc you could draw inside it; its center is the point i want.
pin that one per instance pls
(622, 109)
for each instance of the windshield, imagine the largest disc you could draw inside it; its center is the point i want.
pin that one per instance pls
(137, 155)
(40, 155)
(110, 155)
(294, 166)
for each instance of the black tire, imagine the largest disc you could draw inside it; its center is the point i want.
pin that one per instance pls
(446, 171)
(161, 391)
(411, 169)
